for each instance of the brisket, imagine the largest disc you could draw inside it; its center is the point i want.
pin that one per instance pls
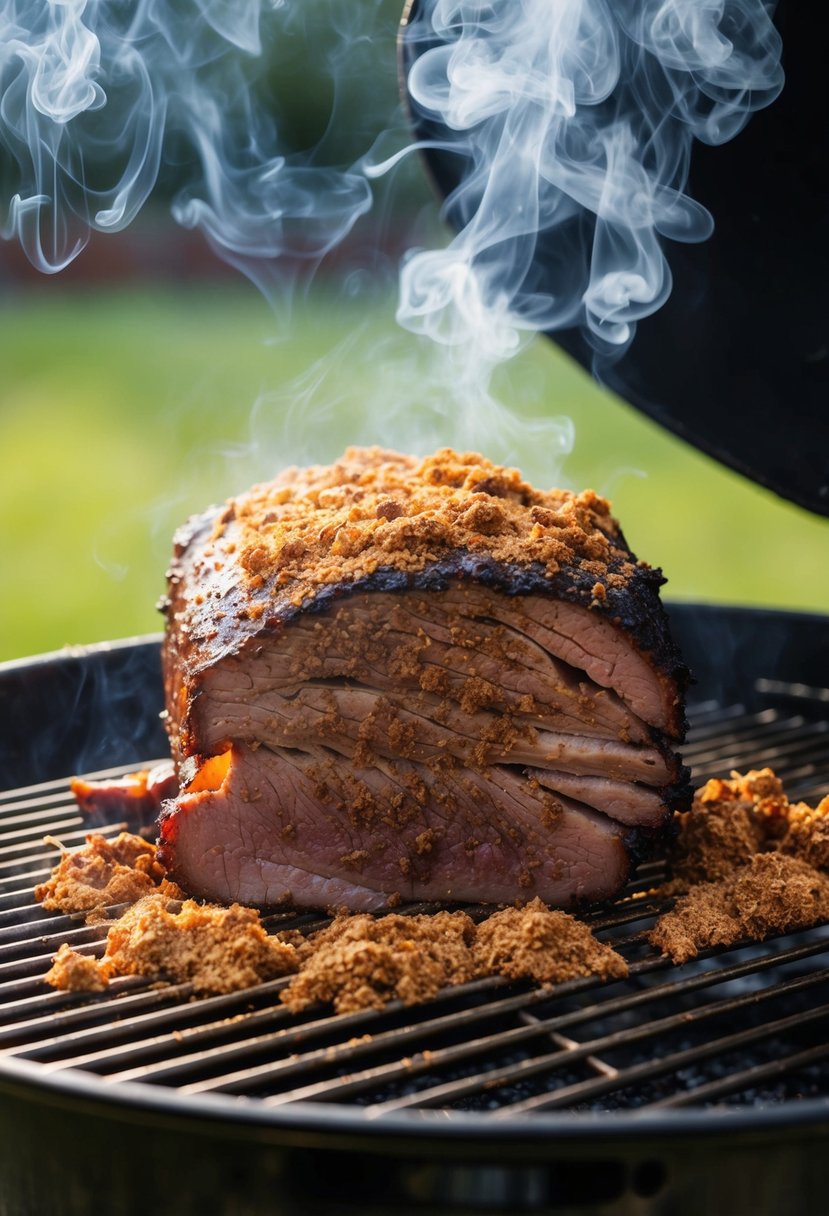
(391, 678)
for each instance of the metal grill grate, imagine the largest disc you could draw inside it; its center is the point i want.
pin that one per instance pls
(746, 1025)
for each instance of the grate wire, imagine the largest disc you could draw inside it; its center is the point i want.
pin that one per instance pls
(734, 1022)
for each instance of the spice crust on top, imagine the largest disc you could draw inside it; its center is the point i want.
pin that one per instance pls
(376, 509)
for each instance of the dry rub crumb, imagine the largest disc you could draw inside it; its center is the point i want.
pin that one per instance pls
(545, 945)
(773, 893)
(807, 833)
(714, 837)
(731, 820)
(73, 972)
(374, 508)
(358, 962)
(101, 873)
(747, 864)
(215, 949)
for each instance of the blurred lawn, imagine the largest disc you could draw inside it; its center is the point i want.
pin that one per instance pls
(122, 411)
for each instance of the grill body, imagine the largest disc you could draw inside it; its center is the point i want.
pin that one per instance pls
(127, 1125)
(69, 1153)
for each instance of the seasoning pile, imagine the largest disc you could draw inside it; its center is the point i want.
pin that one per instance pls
(746, 864)
(104, 873)
(355, 962)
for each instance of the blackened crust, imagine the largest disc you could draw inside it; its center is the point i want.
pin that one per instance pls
(234, 619)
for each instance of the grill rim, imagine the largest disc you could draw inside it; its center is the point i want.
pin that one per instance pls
(72, 1088)
(302, 1118)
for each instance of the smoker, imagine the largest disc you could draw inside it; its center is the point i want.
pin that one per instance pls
(698, 1088)
(679, 1090)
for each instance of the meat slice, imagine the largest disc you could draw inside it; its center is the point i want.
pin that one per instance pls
(136, 796)
(392, 678)
(626, 801)
(320, 833)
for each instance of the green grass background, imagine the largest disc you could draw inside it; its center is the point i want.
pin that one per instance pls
(124, 410)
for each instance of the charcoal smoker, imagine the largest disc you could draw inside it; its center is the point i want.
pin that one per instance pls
(703, 1088)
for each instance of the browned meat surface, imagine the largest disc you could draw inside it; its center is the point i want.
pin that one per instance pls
(471, 695)
(137, 796)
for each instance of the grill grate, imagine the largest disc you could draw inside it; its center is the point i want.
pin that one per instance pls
(748, 1025)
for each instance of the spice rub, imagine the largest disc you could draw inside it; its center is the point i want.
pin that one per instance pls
(773, 893)
(545, 945)
(359, 962)
(214, 949)
(102, 873)
(373, 507)
(72, 971)
(747, 864)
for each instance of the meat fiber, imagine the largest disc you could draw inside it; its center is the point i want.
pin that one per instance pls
(393, 678)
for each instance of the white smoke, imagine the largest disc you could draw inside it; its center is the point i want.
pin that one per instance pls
(575, 121)
(96, 94)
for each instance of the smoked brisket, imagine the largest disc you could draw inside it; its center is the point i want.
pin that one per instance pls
(398, 678)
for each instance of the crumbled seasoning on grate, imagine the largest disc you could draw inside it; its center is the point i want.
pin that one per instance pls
(746, 864)
(716, 835)
(215, 949)
(359, 962)
(74, 972)
(772, 893)
(374, 508)
(807, 833)
(104, 872)
(732, 819)
(545, 945)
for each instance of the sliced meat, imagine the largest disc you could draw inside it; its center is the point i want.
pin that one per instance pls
(423, 726)
(392, 644)
(302, 828)
(396, 679)
(625, 801)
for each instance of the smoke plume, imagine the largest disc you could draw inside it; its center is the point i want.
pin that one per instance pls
(575, 121)
(96, 96)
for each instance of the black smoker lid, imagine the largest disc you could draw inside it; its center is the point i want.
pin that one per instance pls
(737, 361)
